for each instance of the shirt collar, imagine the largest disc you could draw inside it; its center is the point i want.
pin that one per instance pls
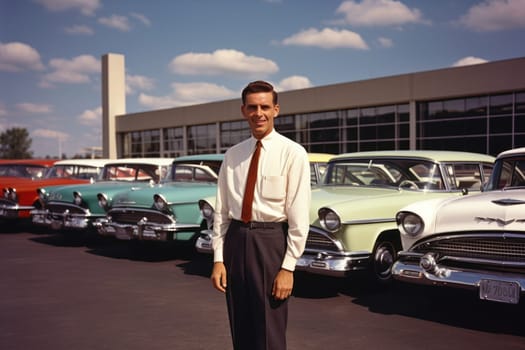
(265, 140)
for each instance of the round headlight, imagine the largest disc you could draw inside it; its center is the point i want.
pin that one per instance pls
(5, 192)
(410, 223)
(329, 219)
(102, 200)
(41, 193)
(10, 194)
(207, 210)
(77, 198)
(160, 202)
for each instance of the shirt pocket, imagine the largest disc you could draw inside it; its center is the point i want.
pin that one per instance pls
(273, 187)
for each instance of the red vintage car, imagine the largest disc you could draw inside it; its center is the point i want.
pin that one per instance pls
(19, 195)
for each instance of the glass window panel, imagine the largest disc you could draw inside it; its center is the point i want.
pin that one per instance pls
(520, 102)
(476, 106)
(501, 104)
(500, 125)
(386, 114)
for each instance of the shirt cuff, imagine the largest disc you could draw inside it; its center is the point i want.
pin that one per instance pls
(289, 263)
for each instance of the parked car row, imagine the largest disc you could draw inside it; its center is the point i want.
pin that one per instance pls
(428, 217)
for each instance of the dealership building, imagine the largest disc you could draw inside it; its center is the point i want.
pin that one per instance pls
(477, 108)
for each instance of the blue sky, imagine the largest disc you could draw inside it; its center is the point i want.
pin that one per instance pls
(183, 52)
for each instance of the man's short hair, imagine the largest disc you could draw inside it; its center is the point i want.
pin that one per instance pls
(259, 86)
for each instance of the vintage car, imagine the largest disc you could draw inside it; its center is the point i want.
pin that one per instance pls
(318, 163)
(166, 212)
(19, 195)
(475, 242)
(24, 168)
(76, 206)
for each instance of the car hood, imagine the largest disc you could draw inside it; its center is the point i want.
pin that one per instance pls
(89, 191)
(493, 211)
(367, 203)
(174, 193)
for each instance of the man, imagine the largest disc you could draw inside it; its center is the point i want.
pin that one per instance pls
(255, 256)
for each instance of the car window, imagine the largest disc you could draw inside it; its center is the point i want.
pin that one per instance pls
(508, 173)
(464, 176)
(412, 174)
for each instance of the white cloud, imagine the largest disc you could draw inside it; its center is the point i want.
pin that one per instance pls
(188, 94)
(86, 7)
(378, 13)
(327, 39)
(16, 57)
(385, 42)
(92, 117)
(50, 134)
(223, 62)
(140, 82)
(74, 71)
(145, 20)
(116, 22)
(34, 108)
(494, 15)
(466, 61)
(294, 82)
(79, 30)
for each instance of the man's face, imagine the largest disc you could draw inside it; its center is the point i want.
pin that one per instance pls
(260, 111)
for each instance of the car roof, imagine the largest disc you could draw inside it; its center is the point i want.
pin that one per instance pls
(440, 156)
(144, 160)
(320, 157)
(29, 161)
(512, 152)
(193, 157)
(87, 162)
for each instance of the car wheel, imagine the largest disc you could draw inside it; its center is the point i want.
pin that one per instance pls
(385, 253)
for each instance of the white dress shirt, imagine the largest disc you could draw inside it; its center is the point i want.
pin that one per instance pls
(282, 192)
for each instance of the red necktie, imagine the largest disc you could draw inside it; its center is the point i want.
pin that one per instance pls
(247, 201)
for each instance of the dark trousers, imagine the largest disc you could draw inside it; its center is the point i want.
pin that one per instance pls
(253, 255)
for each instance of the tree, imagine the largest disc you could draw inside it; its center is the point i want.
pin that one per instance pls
(15, 143)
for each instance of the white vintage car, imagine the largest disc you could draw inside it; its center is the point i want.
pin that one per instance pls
(475, 242)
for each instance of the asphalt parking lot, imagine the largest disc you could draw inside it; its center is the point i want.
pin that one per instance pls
(67, 291)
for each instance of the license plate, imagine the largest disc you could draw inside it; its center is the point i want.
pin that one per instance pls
(505, 292)
(56, 225)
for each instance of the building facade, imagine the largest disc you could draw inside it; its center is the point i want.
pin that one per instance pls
(477, 108)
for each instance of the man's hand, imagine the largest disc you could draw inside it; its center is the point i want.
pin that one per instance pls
(282, 285)
(218, 276)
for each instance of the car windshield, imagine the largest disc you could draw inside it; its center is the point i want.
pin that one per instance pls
(23, 170)
(73, 171)
(413, 174)
(508, 173)
(195, 170)
(134, 172)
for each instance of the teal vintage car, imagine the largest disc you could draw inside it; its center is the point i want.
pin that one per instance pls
(76, 206)
(353, 226)
(168, 211)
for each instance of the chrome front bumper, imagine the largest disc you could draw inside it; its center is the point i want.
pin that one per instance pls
(143, 230)
(336, 264)
(13, 211)
(64, 220)
(496, 286)
(203, 242)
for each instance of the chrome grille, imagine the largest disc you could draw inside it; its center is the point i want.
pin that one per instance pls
(317, 241)
(132, 216)
(59, 208)
(498, 247)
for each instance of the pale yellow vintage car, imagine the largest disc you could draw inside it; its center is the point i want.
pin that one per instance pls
(352, 215)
